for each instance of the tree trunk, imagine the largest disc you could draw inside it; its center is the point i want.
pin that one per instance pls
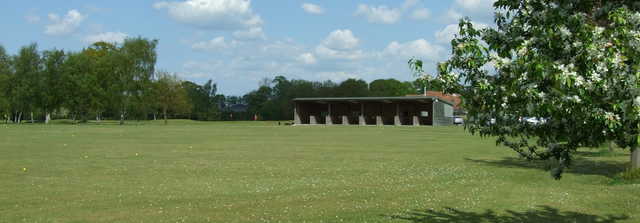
(47, 118)
(635, 158)
(164, 111)
(610, 146)
(122, 118)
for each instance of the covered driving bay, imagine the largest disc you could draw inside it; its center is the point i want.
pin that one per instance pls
(399, 111)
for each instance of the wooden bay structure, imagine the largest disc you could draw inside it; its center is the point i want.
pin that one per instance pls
(407, 110)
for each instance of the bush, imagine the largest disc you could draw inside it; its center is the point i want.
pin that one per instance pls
(630, 175)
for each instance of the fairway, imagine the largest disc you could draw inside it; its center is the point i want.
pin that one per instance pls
(262, 172)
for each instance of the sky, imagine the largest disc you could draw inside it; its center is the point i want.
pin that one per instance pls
(237, 43)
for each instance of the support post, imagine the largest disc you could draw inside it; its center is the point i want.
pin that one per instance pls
(329, 119)
(296, 115)
(313, 120)
(396, 118)
(361, 118)
(635, 158)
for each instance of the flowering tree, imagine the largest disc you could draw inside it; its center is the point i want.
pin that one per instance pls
(575, 64)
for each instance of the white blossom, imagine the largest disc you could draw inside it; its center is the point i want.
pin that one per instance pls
(579, 81)
(564, 31)
(542, 94)
(617, 59)
(596, 77)
(575, 99)
(611, 117)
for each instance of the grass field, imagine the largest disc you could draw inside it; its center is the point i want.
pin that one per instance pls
(261, 172)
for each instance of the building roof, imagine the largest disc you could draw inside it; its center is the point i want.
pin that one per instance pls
(455, 98)
(380, 99)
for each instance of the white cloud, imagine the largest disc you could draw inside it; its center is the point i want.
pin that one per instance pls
(307, 58)
(239, 69)
(340, 44)
(452, 15)
(409, 4)
(476, 6)
(252, 33)
(32, 18)
(214, 44)
(421, 14)
(110, 37)
(329, 53)
(379, 14)
(213, 14)
(419, 48)
(341, 39)
(64, 25)
(390, 15)
(477, 10)
(449, 32)
(312, 8)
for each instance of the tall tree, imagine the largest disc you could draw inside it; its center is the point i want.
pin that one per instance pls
(137, 59)
(5, 75)
(257, 100)
(170, 94)
(105, 68)
(572, 63)
(204, 99)
(353, 88)
(50, 86)
(390, 87)
(79, 85)
(28, 66)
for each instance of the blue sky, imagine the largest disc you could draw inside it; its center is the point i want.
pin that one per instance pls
(239, 42)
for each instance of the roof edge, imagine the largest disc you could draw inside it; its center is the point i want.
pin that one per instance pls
(400, 98)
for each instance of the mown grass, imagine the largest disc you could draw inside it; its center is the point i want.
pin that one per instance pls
(261, 172)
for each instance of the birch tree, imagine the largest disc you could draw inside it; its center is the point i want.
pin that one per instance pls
(51, 82)
(5, 74)
(170, 95)
(28, 66)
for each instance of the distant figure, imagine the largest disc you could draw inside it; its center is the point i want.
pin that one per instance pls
(255, 117)
(231, 116)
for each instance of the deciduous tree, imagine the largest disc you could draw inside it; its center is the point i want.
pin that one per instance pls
(5, 74)
(170, 95)
(574, 64)
(28, 68)
(50, 82)
(390, 87)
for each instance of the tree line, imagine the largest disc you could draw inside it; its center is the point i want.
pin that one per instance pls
(273, 99)
(120, 82)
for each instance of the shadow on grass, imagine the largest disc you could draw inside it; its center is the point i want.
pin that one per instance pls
(601, 153)
(580, 165)
(541, 214)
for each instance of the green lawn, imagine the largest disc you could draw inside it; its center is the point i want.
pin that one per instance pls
(261, 172)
